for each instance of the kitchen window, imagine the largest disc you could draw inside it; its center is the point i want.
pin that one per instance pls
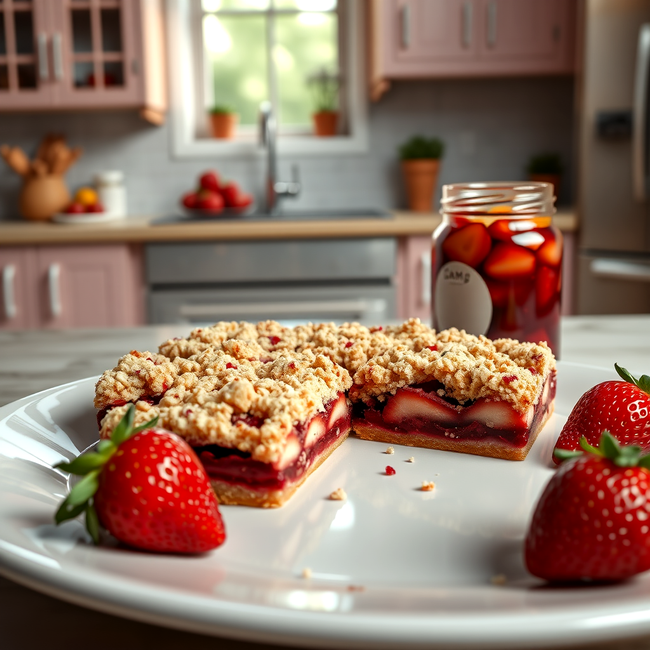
(241, 52)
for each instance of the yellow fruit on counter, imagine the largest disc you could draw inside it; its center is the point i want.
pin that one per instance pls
(86, 196)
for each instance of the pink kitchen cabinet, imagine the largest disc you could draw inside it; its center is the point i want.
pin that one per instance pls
(65, 54)
(469, 38)
(71, 286)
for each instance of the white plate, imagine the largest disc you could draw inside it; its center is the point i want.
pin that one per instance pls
(391, 567)
(85, 217)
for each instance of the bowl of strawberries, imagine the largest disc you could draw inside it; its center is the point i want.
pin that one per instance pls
(216, 198)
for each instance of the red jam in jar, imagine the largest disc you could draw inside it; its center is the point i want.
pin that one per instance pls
(497, 262)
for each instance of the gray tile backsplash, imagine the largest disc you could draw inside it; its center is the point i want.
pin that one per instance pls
(490, 126)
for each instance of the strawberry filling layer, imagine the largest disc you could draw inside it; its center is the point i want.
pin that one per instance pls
(305, 445)
(422, 410)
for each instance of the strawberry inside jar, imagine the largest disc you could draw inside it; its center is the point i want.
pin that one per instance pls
(497, 262)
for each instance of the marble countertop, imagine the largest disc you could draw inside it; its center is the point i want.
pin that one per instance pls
(36, 360)
(140, 229)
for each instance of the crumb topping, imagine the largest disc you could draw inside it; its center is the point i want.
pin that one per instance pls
(428, 486)
(467, 366)
(246, 386)
(252, 406)
(338, 495)
(390, 450)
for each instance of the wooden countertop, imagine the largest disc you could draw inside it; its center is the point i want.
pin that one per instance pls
(140, 229)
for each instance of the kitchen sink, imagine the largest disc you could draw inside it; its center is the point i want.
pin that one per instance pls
(297, 215)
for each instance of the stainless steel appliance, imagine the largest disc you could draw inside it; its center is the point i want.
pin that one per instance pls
(288, 280)
(614, 186)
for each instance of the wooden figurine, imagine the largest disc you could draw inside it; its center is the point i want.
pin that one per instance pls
(44, 192)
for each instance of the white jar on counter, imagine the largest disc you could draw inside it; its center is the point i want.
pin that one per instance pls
(111, 191)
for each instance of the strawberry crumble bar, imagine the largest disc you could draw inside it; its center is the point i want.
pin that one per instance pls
(264, 405)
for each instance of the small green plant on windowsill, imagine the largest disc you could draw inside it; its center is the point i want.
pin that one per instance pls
(324, 87)
(224, 121)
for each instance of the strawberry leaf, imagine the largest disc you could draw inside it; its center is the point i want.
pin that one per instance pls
(124, 429)
(609, 446)
(147, 425)
(103, 447)
(85, 489)
(566, 454)
(92, 523)
(643, 382)
(67, 511)
(83, 464)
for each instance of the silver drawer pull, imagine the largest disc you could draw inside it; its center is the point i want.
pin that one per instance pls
(468, 10)
(54, 286)
(280, 308)
(9, 292)
(43, 65)
(425, 281)
(621, 270)
(57, 57)
(492, 24)
(406, 27)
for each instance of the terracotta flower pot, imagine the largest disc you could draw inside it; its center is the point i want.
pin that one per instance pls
(325, 123)
(224, 125)
(421, 178)
(553, 179)
(42, 197)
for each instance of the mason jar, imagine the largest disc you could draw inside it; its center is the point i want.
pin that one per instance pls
(497, 262)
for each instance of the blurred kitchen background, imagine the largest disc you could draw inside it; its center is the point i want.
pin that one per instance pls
(132, 83)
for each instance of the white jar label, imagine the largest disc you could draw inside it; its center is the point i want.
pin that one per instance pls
(462, 299)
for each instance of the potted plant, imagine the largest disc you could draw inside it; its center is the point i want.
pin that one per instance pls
(420, 158)
(224, 122)
(546, 168)
(324, 87)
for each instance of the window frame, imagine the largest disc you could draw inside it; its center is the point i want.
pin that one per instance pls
(186, 115)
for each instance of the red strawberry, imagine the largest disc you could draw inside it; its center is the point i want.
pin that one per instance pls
(500, 229)
(550, 252)
(469, 245)
(547, 289)
(189, 200)
(591, 522)
(209, 181)
(148, 489)
(507, 261)
(209, 201)
(620, 407)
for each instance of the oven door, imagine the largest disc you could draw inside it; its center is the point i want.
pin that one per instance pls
(361, 303)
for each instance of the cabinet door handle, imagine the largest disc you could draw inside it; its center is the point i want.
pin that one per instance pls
(282, 309)
(57, 56)
(43, 63)
(468, 10)
(620, 270)
(54, 286)
(425, 279)
(8, 291)
(640, 118)
(406, 26)
(492, 24)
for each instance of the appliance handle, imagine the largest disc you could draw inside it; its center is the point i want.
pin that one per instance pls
(57, 56)
(8, 291)
(620, 270)
(280, 308)
(492, 24)
(54, 287)
(406, 26)
(640, 115)
(43, 63)
(468, 9)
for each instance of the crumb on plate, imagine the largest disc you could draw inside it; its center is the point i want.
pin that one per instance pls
(338, 495)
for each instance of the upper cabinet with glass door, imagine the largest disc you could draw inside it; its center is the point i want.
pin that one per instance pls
(70, 54)
(469, 38)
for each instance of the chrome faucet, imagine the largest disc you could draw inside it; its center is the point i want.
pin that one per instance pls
(274, 189)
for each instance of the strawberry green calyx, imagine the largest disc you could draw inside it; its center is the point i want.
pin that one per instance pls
(643, 382)
(80, 499)
(609, 447)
